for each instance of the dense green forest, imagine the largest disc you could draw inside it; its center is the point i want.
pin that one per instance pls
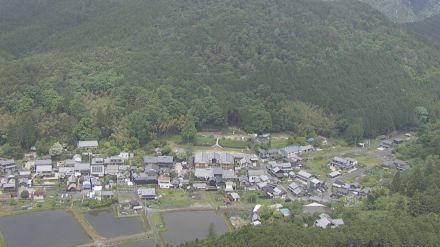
(404, 11)
(129, 71)
(404, 211)
(429, 28)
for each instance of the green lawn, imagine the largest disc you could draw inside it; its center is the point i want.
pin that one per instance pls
(279, 142)
(376, 176)
(368, 161)
(173, 198)
(204, 140)
(318, 165)
(231, 143)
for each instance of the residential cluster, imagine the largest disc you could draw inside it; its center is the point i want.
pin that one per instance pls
(273, 173)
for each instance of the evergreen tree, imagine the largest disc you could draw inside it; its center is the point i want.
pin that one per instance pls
(396, 184)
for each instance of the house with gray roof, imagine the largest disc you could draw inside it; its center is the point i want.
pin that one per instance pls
(304, 176)
(115, 160)
(343, 163)
(82, 168)
(207, 159)
(325, 221)
(397, 164)
(92, 144)
(296, 189)
(161, 161)
(42, 162)
(204, 173)
(7, 165)
(254, 175)
(147, 193)
(292, 151)
(43, 167)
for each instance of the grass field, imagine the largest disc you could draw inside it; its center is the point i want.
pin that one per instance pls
(231, 143)
(376, 177)
(158, 221)
(318, 165)
(204, 140)
(173, 198)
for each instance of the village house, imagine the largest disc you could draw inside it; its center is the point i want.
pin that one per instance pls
(304, 176)
(315, 183)
(164, 182)
(24, 182)
(296, 189)
(152, 169)
(24, 173)
(43, 167)
(82, 169)
(292, 151)
(209, 159)
(145, 179)
(254, 175)
(10, 185)
(97, 170)
(161, 161)
(338, 184)
(93, 144)
(65, 171)
(7, 166)
(115, 160)
(314, 208)
(386, 144)
(204, 173)
(343, 163)
(397, 164)
(147, 193)
(233, 197)
(398, 141)
(325, 221)
(334, 174)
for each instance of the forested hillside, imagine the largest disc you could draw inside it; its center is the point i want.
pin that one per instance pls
(404, 11)
(429, 28)
(128, 71)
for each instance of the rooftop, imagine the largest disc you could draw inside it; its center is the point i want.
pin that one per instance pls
(158, 159)
(210, 157)
(88, 144)
(43, 162)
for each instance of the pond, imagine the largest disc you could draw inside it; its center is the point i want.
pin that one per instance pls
(188, 226)
(42, 229)
(145, 243)
(108, 226)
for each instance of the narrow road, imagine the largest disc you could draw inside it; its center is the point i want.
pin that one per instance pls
(118, 240)
(153, 230)
(217, 145)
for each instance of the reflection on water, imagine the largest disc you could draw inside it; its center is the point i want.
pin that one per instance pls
(187, 226)
(42, 229)
(108, 226)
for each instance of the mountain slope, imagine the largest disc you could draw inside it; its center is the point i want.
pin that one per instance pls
(403, 11)
(231, 62)
(429, 27)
